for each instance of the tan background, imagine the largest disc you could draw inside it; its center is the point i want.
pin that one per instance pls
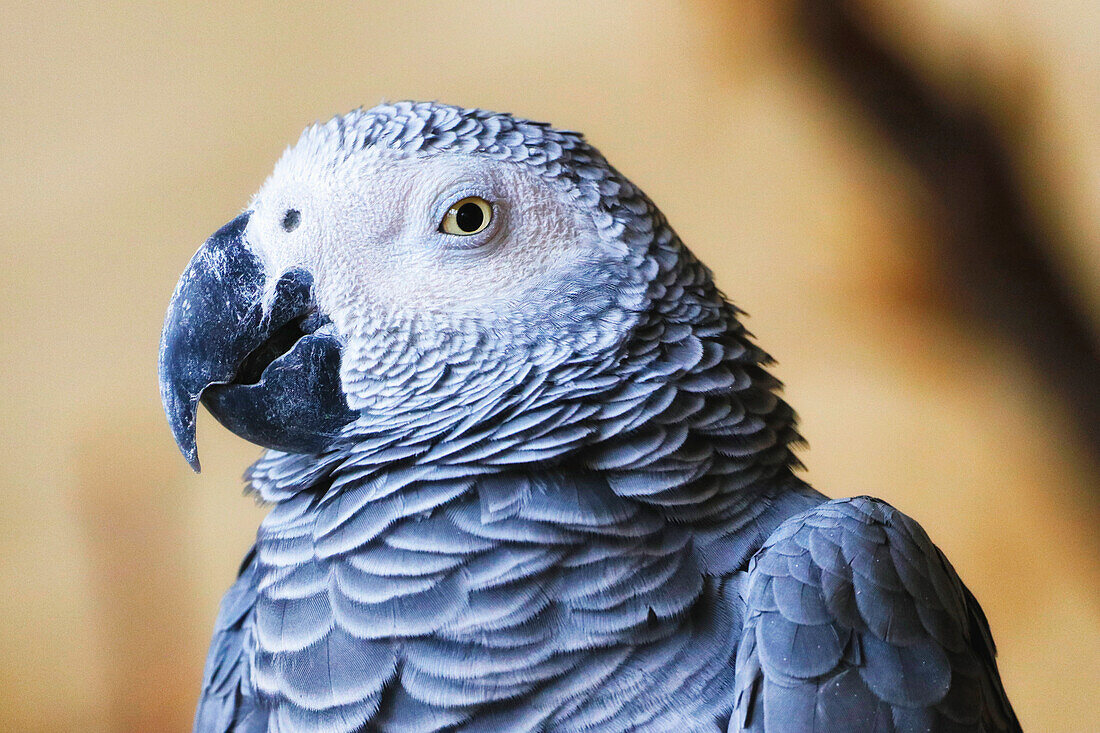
(129, 132)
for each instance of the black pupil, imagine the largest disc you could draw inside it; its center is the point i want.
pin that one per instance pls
(291, 219)
(469, 217)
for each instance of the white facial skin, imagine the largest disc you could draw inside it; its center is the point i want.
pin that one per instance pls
(369, 231)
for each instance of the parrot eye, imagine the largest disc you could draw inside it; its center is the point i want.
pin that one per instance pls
(467, 216)
(291, 219)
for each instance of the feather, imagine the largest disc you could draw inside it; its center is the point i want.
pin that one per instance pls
(835, 637)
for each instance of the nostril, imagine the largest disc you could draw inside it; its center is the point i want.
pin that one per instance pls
(291, 219)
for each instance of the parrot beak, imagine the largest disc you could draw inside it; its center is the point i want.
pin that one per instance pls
(261, 369)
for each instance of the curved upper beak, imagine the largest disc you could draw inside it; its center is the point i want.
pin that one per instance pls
(281, 384)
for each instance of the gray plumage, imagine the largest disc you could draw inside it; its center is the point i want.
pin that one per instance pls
(575, 512)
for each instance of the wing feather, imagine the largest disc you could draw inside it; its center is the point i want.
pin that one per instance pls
(856, 621)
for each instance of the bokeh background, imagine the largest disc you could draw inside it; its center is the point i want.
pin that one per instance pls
(902, 193)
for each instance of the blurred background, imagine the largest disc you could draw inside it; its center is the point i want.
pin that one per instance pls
(902, 194)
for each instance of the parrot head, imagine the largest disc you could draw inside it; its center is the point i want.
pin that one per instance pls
(403, 266)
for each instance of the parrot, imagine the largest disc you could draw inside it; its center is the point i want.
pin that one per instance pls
(525, 467)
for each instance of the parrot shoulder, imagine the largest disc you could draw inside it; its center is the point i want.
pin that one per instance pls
(855, 620)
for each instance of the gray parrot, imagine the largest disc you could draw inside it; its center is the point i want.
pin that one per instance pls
(527, 470)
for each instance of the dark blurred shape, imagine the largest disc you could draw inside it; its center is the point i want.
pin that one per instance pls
(994, 261)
